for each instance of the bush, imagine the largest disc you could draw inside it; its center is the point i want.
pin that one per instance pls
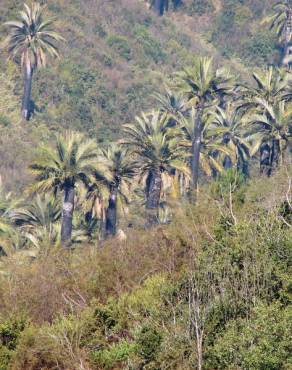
(259, 343)
(148, 343)
(120, 45)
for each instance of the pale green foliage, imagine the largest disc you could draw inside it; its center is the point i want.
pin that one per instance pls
(31, 37)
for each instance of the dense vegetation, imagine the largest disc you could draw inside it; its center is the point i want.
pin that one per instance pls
(146, 191)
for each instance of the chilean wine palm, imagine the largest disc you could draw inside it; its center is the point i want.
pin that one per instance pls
(171, 103)
(115, 182)
(30, 40)
(38, 220)
(60, 168)
(157, 152)
(273, 127)
(211, 148)
(271, 85)
(202, 84)
(229, 125)
(281, 22)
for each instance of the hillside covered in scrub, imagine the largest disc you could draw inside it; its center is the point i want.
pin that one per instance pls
(145, 184)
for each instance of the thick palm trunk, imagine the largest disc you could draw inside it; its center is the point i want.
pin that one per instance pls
(288, 30)
(275, 155)
(159, 6)
(153, 192)
(67, 214)
(111, 214)
(196, 147)
(26, 101)
(265, 159)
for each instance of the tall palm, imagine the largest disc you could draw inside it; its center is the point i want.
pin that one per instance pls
(229, 125)
(157, 152)
(30, 40)
(281, 22)
(273, 127)
(203, 86)
(71, 160)
(115, 183)
(212, 149)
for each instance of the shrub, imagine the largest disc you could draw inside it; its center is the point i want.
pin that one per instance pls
(120, 45)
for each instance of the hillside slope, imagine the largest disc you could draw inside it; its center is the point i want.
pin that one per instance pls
(117, 53)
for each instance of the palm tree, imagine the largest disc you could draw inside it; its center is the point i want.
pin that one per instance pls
(39, 219)
(229, 125)
(114, 184)
(30, 40)
(211, 149)
(202, 85)
(171, 103)
(157, 152)
(281, 22)
(72, 160)
(272, 127)
(160, 6)
(273, 86)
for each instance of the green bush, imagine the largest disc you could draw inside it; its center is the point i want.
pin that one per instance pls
(261, 342)
(148, 343)
(120, 45)
(151, 46)
(113, 356)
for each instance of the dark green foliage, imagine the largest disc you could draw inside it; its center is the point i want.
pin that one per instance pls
(261, 342)
(148, 343)
(201, 7)
(120, 45)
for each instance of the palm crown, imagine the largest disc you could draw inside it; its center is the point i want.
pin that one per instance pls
(31, 37)
(73, 159)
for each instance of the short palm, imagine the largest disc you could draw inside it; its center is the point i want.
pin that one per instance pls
(113, 183)
(229, 125)
(271, 84)
(273, 126)
(39, 220)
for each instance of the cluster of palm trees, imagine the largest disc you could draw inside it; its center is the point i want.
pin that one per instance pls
(205, 123)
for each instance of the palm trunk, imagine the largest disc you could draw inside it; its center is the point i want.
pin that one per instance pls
(67, 214)
(275, 154)
(153, 192)
(26, 101)
(159, 6)
(196, 146)
(111, 213)
(265, 159)
(288, 31)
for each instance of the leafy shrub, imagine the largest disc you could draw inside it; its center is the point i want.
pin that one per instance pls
(260, 343)
(148, 343)
(4, 121)
(114, 355)
(151, 46)
(120, 45)
(201, 7)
